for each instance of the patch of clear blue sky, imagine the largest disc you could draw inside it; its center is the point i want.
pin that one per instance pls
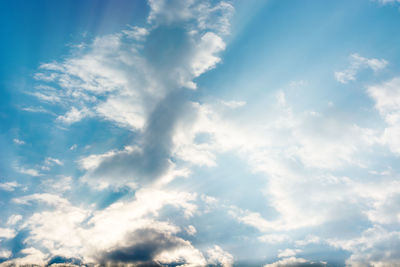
(286, 41)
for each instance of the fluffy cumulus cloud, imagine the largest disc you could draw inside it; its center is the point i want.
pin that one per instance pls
(84, 233)
(217, 255)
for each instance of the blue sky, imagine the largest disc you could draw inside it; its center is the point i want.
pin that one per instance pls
(200, 133)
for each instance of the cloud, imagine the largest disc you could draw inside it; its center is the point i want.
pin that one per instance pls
(150, 160)
(5, 254)
(376, 246)
(217, 255)
(13, 219)
(151, 246)
(31, 172)
(138, 79)
(18, 142)
(30, 256)
(60, 184)
(387, 101)
(205, 57)
(288, 252)
(73, 147)
(76, 232)
(300, 155)
(52, 161)
(387, 98)
(168, 12)
(191, 230)
(36, 110)
(293, 261)
(199, 15)
(47, 198)
(121, 77)
(142, 79)
(9, 186)
(358, 63)
(7, 233)
(74, 115)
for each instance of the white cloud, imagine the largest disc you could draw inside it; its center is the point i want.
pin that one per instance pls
(60, 184)
(288, 252)
(50, 199)
(293, 261)
(73, 147)
(387, 101)
(5, 253)
(185, 253)
(383, 198)
(216, 18)
(18, 141)
(169, 12)
(31, 256)
(52, 98)
(74, 115)
(125, 111)
(297, 152)
(217, 255)
(119, 79)
(36, 110)
(116, 79)
(7, 233)
(136, 33)
(70, 231)
(9, 186)
(52, 161)
(257, 221)
(205, 57)
(31, 172)
(191, 230)
(376, 247)
(357, 63)
(200, 15)
(13, 219)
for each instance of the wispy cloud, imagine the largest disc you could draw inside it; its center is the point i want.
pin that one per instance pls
(18, 141)
(358, 63)
(9, 186)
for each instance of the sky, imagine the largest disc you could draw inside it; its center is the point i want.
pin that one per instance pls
(200, 133)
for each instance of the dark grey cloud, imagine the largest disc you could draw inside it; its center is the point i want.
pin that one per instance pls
(146, 244)
(60, 260)
(152, 160)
